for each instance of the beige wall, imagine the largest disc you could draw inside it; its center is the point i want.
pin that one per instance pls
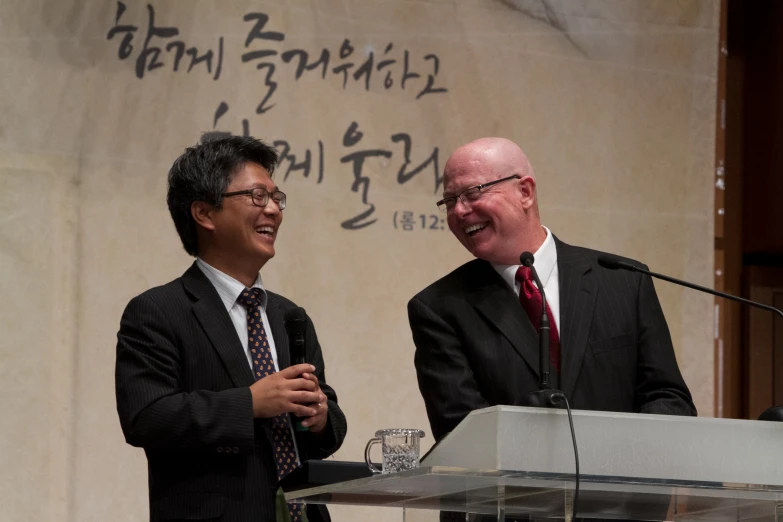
(614, 102)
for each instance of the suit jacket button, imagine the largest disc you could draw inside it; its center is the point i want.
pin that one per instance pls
(236, 449)
(220, 449)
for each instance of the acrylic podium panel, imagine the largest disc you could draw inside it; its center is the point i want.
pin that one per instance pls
(615, 445)
(510, 461)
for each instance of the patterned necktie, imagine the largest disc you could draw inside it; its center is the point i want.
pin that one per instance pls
(286, 459)
(530, 299)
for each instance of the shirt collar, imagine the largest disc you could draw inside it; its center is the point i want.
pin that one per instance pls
(545, 262)
(227, 287)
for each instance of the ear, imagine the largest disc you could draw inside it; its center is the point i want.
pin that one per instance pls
(527, 191)
(203, 214)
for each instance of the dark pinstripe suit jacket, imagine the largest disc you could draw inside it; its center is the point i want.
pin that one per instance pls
(476, 347)
(182, 382)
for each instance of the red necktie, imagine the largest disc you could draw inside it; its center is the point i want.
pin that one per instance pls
(530, 299)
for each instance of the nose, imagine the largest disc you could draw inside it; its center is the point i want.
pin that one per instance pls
(271, 208)
(461, 209)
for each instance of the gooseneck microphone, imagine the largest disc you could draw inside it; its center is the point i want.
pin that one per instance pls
(295, 327)
(545, 396)
(613, 262)
(543, 330)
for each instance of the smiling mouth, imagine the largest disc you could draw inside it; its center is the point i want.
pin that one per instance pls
(472, 230)
(265, 231)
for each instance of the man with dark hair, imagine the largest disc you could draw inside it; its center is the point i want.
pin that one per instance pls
(203, 376)
(475, 329)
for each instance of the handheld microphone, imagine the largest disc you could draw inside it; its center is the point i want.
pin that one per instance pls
(613, 262)
(295, 327)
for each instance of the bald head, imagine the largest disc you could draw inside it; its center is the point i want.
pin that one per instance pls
(493, 158)
(502, 156)
(501, 220)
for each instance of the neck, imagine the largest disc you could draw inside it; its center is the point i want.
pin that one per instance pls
(537, 238)
(531, 242)
(244, 272)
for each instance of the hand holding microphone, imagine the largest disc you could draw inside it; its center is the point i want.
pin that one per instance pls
(296, 328)
(286, 391)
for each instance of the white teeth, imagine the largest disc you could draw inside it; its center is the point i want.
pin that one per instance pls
(263, 230)
(473, 228)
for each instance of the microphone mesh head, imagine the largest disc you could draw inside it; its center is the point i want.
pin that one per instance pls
(295, 315)
(610, 261)
(526, 259)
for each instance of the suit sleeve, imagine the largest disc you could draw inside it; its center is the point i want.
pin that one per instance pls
(446, 380)
(321, 445)
(660, 387)
(155, 413)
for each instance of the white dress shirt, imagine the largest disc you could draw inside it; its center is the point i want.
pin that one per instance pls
(229, 289)
(545, 264)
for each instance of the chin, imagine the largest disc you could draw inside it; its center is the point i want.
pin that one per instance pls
(481, 250)
(265, 253)
(481, 253)
(487, 254)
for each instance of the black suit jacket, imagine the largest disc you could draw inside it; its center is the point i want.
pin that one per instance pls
(476, 346)
(182, 382)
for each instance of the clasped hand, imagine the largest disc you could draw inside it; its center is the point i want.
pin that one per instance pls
(292, 390)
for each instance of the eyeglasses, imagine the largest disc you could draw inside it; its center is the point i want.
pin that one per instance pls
(260, 196)
(469, 195)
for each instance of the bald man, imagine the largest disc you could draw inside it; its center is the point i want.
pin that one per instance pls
(476, 343)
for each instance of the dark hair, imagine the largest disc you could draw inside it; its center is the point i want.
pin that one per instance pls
(203, 173)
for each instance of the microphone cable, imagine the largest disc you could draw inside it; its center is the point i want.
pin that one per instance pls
(561, 397)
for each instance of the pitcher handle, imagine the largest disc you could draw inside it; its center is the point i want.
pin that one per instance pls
(369, 463)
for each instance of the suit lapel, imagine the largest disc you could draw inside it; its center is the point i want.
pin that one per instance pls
(274, 314)
(213, 318)
(500, 306)
(578, 292)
